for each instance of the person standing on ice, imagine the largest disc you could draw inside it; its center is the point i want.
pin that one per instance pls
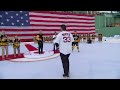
(54, 44)
(4, 43)
(39, 39)
(64, 39)
(16, 46)
(100, 37)
(76, 41)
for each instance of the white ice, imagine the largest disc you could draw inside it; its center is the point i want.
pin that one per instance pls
(98, 60)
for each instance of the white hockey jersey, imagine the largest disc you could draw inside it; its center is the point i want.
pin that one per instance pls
(65, 39)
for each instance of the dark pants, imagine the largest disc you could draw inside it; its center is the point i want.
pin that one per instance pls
(40, 47)
(65, 63)
(89, 41)
(54, 46)
(75, 44)
(99, 39)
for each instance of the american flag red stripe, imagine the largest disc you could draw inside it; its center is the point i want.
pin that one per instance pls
(49, 21)
(53, 20)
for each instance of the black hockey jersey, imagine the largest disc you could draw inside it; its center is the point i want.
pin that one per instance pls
(76, 38)
(3, 40)
(16, 43)
(41, 37)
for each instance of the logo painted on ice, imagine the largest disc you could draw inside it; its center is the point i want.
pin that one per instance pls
(36, 55)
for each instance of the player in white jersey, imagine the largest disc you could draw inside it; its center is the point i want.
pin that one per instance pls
(54, 44)
(64, 40)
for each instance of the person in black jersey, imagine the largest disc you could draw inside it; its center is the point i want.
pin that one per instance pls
(84, 37)
(76, 41)
(89, 41)
(88, 36)
(93, 37)
(16, 45)
(4, 42)
(39, 39)
(101, 36)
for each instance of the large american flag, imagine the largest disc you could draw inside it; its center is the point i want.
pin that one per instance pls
(27, 24)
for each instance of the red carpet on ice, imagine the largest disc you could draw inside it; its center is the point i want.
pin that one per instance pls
(32, 55)
(12, 57)
(30, 47)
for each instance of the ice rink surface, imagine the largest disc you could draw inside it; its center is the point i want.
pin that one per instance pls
(99, 60)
